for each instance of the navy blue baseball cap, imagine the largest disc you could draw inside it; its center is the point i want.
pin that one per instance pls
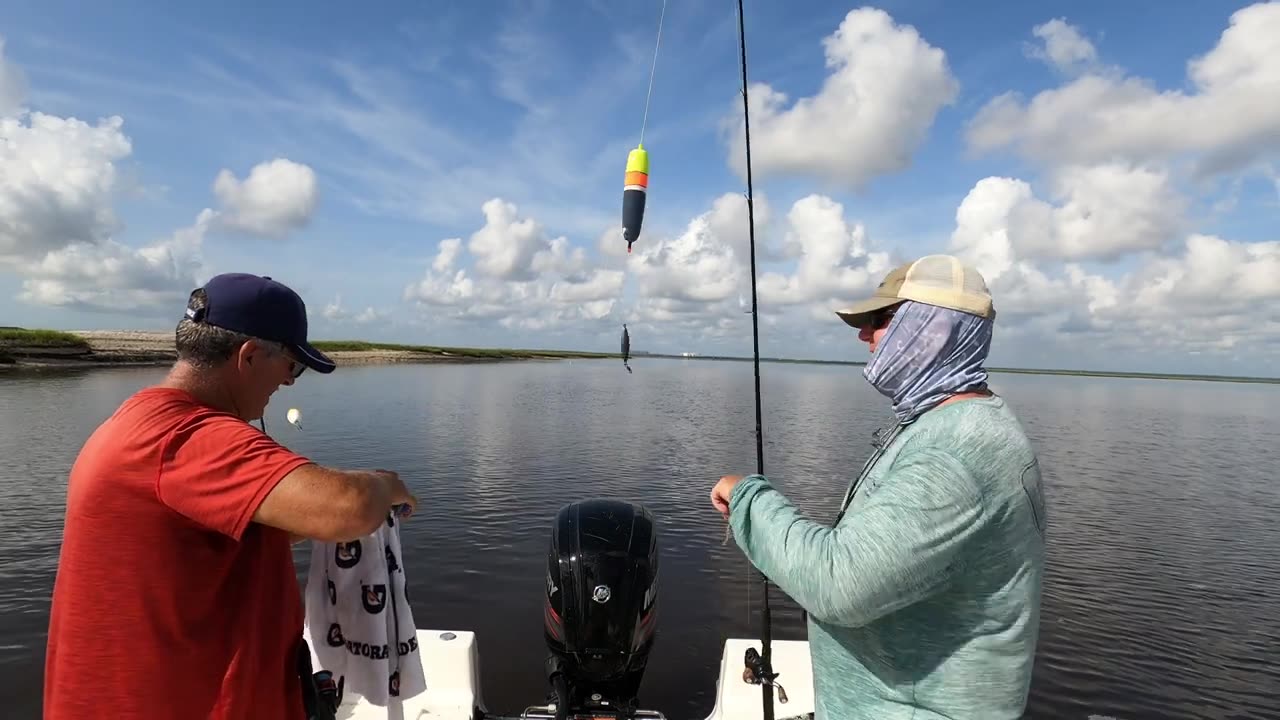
(264, 308)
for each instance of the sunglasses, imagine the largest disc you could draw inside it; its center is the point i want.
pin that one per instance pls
(296, 367)
(881, 318)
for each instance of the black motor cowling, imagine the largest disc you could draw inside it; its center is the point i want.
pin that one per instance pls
(601, 603)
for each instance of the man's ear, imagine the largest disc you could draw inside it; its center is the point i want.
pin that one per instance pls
(246, 351)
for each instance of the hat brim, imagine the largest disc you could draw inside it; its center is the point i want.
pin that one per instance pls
(858, 314)
(314, 359)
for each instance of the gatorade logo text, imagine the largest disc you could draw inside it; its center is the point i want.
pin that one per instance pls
(380, 652)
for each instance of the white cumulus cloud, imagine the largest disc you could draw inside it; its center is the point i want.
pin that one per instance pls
(57, 179)
(335, 311)
(695, 283)
(515, 275)
(833, 260)
(698, 283)
(1229, 119)
(506, 246)
(59, 232)
(278, 197)
(707, 262)
(1184, 291)
(1211, 276)
(110, 276)
(887, 84)
(58, 183)
(1101, 212)
(1103, 254)
(1062, 46)
(1212, 295)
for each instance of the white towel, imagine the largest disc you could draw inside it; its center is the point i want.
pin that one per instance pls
(358, 621)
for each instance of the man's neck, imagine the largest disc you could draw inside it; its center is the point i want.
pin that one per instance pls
(201, 384)
(966, 396)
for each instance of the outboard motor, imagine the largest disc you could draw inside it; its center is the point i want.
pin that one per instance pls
(601, 606)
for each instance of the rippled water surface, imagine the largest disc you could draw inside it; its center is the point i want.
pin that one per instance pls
(1165, 543)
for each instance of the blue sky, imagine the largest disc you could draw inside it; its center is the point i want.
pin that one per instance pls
(393, 125)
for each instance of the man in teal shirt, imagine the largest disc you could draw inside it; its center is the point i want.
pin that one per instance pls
(923, 596)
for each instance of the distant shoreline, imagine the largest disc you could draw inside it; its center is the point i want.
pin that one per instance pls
(53, 349)
(1017, 371)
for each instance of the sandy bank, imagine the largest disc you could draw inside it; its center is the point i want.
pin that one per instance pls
(134, 347)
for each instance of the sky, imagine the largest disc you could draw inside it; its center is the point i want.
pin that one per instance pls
(451, 172)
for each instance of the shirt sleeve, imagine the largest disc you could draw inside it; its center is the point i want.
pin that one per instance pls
(898, 547)
(217, 469)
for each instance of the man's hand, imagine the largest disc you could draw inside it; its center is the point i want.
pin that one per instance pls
(401, 499)
(722, 491)
(403, 503)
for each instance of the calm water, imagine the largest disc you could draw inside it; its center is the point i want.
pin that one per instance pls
(1165, 547)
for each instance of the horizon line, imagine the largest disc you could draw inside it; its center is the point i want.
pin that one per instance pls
(1015, 370)
(1137, 374)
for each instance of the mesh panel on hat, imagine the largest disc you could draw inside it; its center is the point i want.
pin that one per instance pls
(973, 283)
(937, 272)
(944, 280)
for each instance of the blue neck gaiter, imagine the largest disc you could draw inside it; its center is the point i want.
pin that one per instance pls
(928, 354)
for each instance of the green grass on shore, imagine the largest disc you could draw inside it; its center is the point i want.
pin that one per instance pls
(21, 337)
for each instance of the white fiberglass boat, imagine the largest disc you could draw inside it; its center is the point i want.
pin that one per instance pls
(451, 661)
(599, 622)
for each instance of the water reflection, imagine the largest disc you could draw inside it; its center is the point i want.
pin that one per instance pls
(1163, 558)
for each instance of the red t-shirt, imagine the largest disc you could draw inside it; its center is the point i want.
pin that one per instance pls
(169, 603)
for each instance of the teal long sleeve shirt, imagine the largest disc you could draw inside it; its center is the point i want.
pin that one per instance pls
(924, 598)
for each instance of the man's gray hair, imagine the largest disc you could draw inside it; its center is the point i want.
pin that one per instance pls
(207, 346)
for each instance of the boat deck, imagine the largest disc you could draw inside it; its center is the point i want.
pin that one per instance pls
(451, 660)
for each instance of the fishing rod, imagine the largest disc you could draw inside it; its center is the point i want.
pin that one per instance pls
(761, 666)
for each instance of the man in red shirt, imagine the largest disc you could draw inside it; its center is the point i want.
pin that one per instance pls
(176, 596)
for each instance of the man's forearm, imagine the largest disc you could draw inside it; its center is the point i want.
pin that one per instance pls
(328, 504)
(374, 493)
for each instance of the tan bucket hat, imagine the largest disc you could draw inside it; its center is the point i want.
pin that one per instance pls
(940, 280)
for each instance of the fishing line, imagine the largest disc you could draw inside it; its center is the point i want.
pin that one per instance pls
(653, 71)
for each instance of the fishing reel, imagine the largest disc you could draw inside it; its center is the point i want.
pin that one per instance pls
(756, 672)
